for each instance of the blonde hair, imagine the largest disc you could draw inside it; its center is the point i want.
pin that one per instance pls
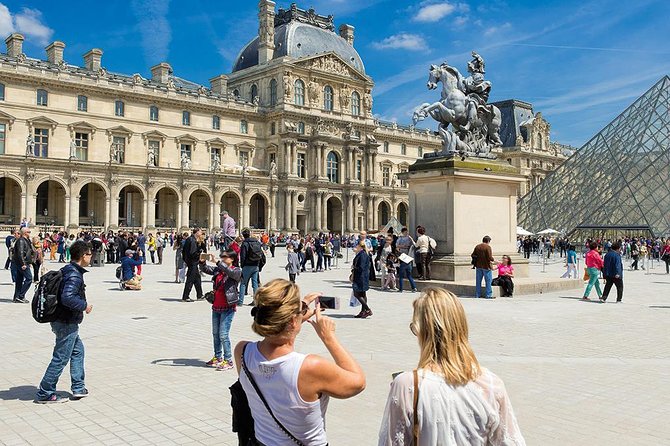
(442, 329)
(275, 306)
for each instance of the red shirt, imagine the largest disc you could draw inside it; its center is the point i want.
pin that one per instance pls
(593, 259)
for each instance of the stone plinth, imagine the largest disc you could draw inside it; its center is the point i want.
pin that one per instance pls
(459, 202)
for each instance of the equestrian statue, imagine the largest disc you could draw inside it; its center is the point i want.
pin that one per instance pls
(463, 105)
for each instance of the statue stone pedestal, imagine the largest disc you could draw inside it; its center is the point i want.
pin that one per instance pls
(459, 202)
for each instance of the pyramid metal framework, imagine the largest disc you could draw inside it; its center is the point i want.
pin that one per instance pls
(619, 179)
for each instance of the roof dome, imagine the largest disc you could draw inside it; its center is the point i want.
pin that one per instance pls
(298, 40)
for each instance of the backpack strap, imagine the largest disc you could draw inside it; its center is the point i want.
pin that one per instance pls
(260, 395)
(415, 422)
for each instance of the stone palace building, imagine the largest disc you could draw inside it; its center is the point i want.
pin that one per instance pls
(287, 141)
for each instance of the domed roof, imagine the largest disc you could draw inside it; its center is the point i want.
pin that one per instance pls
(298, 40)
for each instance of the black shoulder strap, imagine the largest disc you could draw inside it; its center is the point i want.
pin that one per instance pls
(267, 406)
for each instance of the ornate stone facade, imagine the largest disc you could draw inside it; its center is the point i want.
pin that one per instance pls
(527, 143)
(163, 152)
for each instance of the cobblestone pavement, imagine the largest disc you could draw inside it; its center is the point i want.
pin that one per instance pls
(578, 373)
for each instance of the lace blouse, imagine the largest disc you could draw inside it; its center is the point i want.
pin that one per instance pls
(478, 413)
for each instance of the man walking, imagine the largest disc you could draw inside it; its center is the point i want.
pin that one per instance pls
(251, 257)
(160, 244)
(8, 242)
(191, 255)
(23, 256)
(613, 272)
(69, 348)
(228, 229)
(482, 258)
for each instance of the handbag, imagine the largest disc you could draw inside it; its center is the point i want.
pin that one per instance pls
(496, 282)
(209, 296)
(240, 403)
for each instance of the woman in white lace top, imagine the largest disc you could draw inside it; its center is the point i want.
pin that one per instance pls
(459, 402)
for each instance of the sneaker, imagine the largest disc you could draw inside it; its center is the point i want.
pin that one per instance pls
(360, 315)
(414, 290)
(187, 300)
(54, 398)
(80, 394)
(224, 365)
(213, 362)
(20, 301)
(602, 300)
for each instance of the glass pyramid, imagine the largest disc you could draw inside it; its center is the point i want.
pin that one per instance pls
(619, 180)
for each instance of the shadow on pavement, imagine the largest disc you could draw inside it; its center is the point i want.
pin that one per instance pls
(180, 362)
(21, 393)
(170, 299)
(339, 316)
(591, 300)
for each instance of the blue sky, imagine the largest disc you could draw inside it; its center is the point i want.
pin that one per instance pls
(579, 62)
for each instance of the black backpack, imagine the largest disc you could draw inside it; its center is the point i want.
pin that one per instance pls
(47, 296)
(254, 252)
(119, 271)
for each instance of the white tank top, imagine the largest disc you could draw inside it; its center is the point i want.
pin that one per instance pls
(278, 381)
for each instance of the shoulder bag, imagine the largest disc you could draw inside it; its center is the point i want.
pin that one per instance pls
(236, 393)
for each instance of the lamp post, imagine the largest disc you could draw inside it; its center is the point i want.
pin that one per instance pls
(46, 213)
(92, 215)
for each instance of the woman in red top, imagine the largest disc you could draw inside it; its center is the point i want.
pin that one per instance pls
(665, 255)
(594, 263)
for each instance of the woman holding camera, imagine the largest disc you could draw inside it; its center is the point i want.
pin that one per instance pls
(295, 386)
(449, 399)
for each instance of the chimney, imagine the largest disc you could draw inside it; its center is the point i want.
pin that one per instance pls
(347, 33)
(266, 31)
(92, 59)
(14, 44)
(55, 52)
(160, 72)
(219, 84)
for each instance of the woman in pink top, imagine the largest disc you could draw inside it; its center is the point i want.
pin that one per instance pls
(594, 263)
(505, 274)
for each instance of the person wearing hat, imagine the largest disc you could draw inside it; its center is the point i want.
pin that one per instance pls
(225, 281)
(131, 281)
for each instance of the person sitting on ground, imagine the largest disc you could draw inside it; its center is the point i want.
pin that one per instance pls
(295, 386)
(505, 275)
(226, 278)
(131, 281)
(450, 398)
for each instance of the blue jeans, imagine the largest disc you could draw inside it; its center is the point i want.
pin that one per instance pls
(23, 280)
(406, 270)
(248, 272)
(68, 348)
(144, 254)
(488, 277)
(220, 329)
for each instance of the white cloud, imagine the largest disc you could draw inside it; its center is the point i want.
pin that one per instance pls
(154, 28)
(433, 12)
(28, 22)
(405, 41)
(461, 20)
(494, 29)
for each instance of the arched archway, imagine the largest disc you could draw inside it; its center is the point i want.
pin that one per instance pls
(166, 208)
(402, 214)
(92, 205)
(10, 201)
(198, 213)
(334, 215)
(384, 213)
(230, 202)
(258, 212)
(50, 203)
(131, 207)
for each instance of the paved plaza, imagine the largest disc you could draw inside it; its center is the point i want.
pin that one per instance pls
(578, 373)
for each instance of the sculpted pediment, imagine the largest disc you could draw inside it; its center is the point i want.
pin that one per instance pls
(331, 63)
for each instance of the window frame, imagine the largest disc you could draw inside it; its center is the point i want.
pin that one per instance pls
(216, 122)
(41, 142)
(119, 111)
(244, 126)
(299, 92)
(301, 128)
(2, 91)
(186, 118)
(386, 175)
(301, 164)
(387, 147)
(328, 98)
(333, 167)
(243, 155)
(79, 140)
(355, 104)
(358, 168)
(44, 94)
(186, 148)
(3, 137)
(116, 139)
(273, 92)
(403, 149)
(157, 142)
(82, 103)
(253, 92)
(152, 109)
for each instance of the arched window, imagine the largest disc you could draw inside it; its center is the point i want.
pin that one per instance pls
(355, 104)
(299, 92)
(301, 128)
(82, 103)
(332, 167)
(153, 113)
(119, 108)
(254, 92)
(273, 92)
(328, 98)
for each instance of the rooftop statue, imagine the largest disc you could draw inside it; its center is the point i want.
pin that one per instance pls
(463, 105)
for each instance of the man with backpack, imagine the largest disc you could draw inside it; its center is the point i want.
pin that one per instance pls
(191, 255)
(252, 260)
(23, 256)
(69, 314)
